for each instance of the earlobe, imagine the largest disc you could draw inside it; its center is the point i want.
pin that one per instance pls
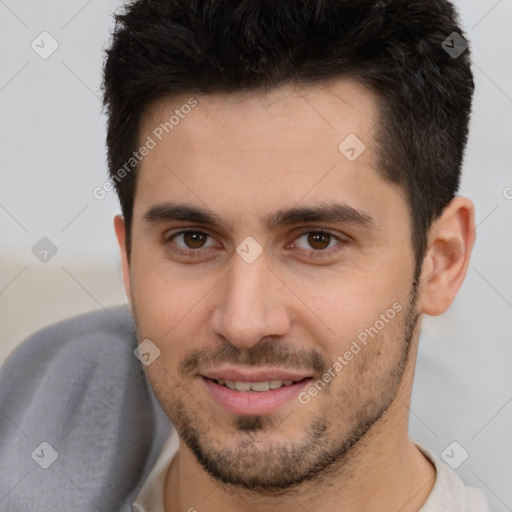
(451, 240)
(120, 229)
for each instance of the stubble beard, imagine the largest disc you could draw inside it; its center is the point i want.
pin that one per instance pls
(256, 463)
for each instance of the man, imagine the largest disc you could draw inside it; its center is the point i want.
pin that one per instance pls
(287, 173)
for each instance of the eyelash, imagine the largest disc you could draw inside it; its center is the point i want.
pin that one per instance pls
(313, 253)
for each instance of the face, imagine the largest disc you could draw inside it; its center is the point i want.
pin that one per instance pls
(269, 259)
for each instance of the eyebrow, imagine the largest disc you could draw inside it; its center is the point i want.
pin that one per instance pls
(331, 212)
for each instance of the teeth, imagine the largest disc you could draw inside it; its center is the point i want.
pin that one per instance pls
(242, 386)
(260, 386)
(254, 386)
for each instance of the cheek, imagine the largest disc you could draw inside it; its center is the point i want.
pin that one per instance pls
(347, 302)
(355, 316)
(170, 305)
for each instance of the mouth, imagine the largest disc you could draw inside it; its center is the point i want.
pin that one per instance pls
(253, 395)
(257, 387)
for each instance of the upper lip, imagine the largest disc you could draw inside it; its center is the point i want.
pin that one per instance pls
(255, 375)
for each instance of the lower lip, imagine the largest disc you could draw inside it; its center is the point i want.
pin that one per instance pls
(253, 403)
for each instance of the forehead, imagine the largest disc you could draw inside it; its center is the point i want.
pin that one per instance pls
(255, 150)
(327, 110)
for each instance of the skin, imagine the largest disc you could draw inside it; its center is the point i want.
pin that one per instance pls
(243, 157)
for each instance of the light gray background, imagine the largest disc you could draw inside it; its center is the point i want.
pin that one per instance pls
(52, 155)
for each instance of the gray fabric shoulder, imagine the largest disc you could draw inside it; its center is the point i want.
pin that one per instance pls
(75, 392)
(74, 340)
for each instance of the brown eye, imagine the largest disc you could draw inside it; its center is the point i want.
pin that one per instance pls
(194, 239)
(319, 241)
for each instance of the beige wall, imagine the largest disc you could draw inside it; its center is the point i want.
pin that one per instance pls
(43, 294)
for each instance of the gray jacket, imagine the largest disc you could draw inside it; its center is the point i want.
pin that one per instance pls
(80, 427)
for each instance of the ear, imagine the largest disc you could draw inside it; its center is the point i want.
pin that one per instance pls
(120, 229)
(450, 242)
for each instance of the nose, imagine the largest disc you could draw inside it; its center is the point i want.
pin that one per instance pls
(251, 304)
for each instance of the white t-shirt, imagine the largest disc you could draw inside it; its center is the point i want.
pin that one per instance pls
(449, 493)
